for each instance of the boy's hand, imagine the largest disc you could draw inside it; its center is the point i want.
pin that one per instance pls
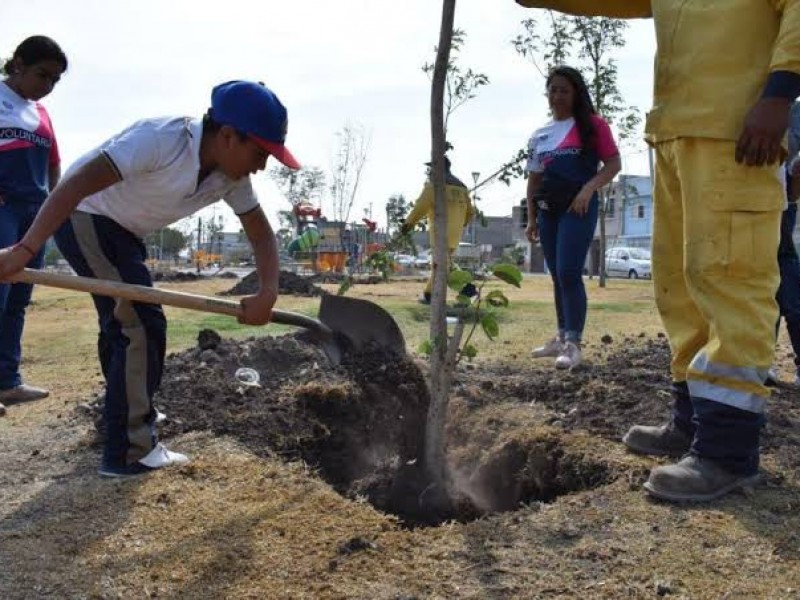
(257, 309)
(12, 260)
(762, 132)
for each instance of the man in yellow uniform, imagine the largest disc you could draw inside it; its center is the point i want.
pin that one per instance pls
(726, 74)
(459, 213)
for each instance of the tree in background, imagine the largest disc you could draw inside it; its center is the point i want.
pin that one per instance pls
(348, 166)
(305, 184)
(397, 209)
(169, 241)
(587, 43)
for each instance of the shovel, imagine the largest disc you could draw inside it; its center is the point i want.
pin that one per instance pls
(344, 325)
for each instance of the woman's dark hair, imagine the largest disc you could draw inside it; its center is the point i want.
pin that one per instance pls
(583, 107)
(34, 49)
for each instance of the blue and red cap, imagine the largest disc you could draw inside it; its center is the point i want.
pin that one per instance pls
(255, 110)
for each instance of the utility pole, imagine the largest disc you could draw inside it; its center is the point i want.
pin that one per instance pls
(475, 176)
(199, 233)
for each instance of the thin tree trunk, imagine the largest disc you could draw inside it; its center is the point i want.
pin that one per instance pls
(441, 360)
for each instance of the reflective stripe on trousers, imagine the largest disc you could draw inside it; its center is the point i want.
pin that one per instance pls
(715, 241)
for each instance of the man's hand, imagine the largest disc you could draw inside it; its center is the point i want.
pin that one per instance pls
(257, 309)
(763, 131)
(580, 204)
(532, 230)
(12, 260)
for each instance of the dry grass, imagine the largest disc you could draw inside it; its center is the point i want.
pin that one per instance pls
(234, 525)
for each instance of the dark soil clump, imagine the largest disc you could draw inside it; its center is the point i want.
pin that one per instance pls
(288, 283)
(177, 276)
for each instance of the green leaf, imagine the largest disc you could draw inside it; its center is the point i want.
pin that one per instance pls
(497, 298)
(508, 273)
(457, 279)
(462, 300)
(490, 326)
(469, 352)
(425, 348)
(346, 285)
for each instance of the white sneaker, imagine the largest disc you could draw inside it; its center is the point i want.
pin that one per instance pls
(23, 393)
(160, 417)
(772, 378)
(570, 356)
(160, 457)
(550, 349)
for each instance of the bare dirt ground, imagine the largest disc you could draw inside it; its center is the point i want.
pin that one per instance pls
(307, 486)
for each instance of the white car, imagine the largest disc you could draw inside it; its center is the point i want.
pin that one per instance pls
(404, 260)
(633, 263)
(422, 262)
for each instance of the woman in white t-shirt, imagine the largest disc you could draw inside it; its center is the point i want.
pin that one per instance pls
(29, 169)
(563, 179)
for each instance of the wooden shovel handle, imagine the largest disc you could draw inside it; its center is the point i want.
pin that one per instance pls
(150, 295)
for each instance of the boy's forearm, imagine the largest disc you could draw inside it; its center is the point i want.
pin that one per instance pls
(94, 176)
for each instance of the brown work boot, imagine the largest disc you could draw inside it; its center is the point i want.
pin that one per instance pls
(22, 393)
(695, 479)
(659, 440)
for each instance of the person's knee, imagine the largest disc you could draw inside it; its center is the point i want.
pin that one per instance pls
(570, 276)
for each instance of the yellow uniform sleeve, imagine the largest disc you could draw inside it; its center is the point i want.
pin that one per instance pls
(786, 55)
(422, 206)
(620, 9)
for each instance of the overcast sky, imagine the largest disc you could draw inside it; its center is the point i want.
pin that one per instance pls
(356, 61)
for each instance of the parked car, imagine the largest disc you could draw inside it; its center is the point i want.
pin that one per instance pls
(404, 260)
(633, 263)
(407, 261)
(422, 262)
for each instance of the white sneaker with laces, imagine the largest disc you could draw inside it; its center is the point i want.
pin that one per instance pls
(550, 349)
(570, 356)
(161, 457)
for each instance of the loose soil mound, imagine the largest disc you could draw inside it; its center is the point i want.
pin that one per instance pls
(362, 423)
(177, 276)
(288, 283)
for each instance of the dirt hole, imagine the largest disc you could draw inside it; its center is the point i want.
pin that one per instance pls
(361, 424)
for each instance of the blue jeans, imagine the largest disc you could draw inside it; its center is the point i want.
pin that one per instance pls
(16, 217)
(565, 242)
(789, 289)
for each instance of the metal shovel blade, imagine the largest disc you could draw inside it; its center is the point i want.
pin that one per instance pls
(359, 324)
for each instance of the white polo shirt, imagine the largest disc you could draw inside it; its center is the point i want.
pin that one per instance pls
(158, 161)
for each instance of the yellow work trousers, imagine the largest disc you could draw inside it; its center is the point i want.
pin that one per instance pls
(450, 252)
(716, 228)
